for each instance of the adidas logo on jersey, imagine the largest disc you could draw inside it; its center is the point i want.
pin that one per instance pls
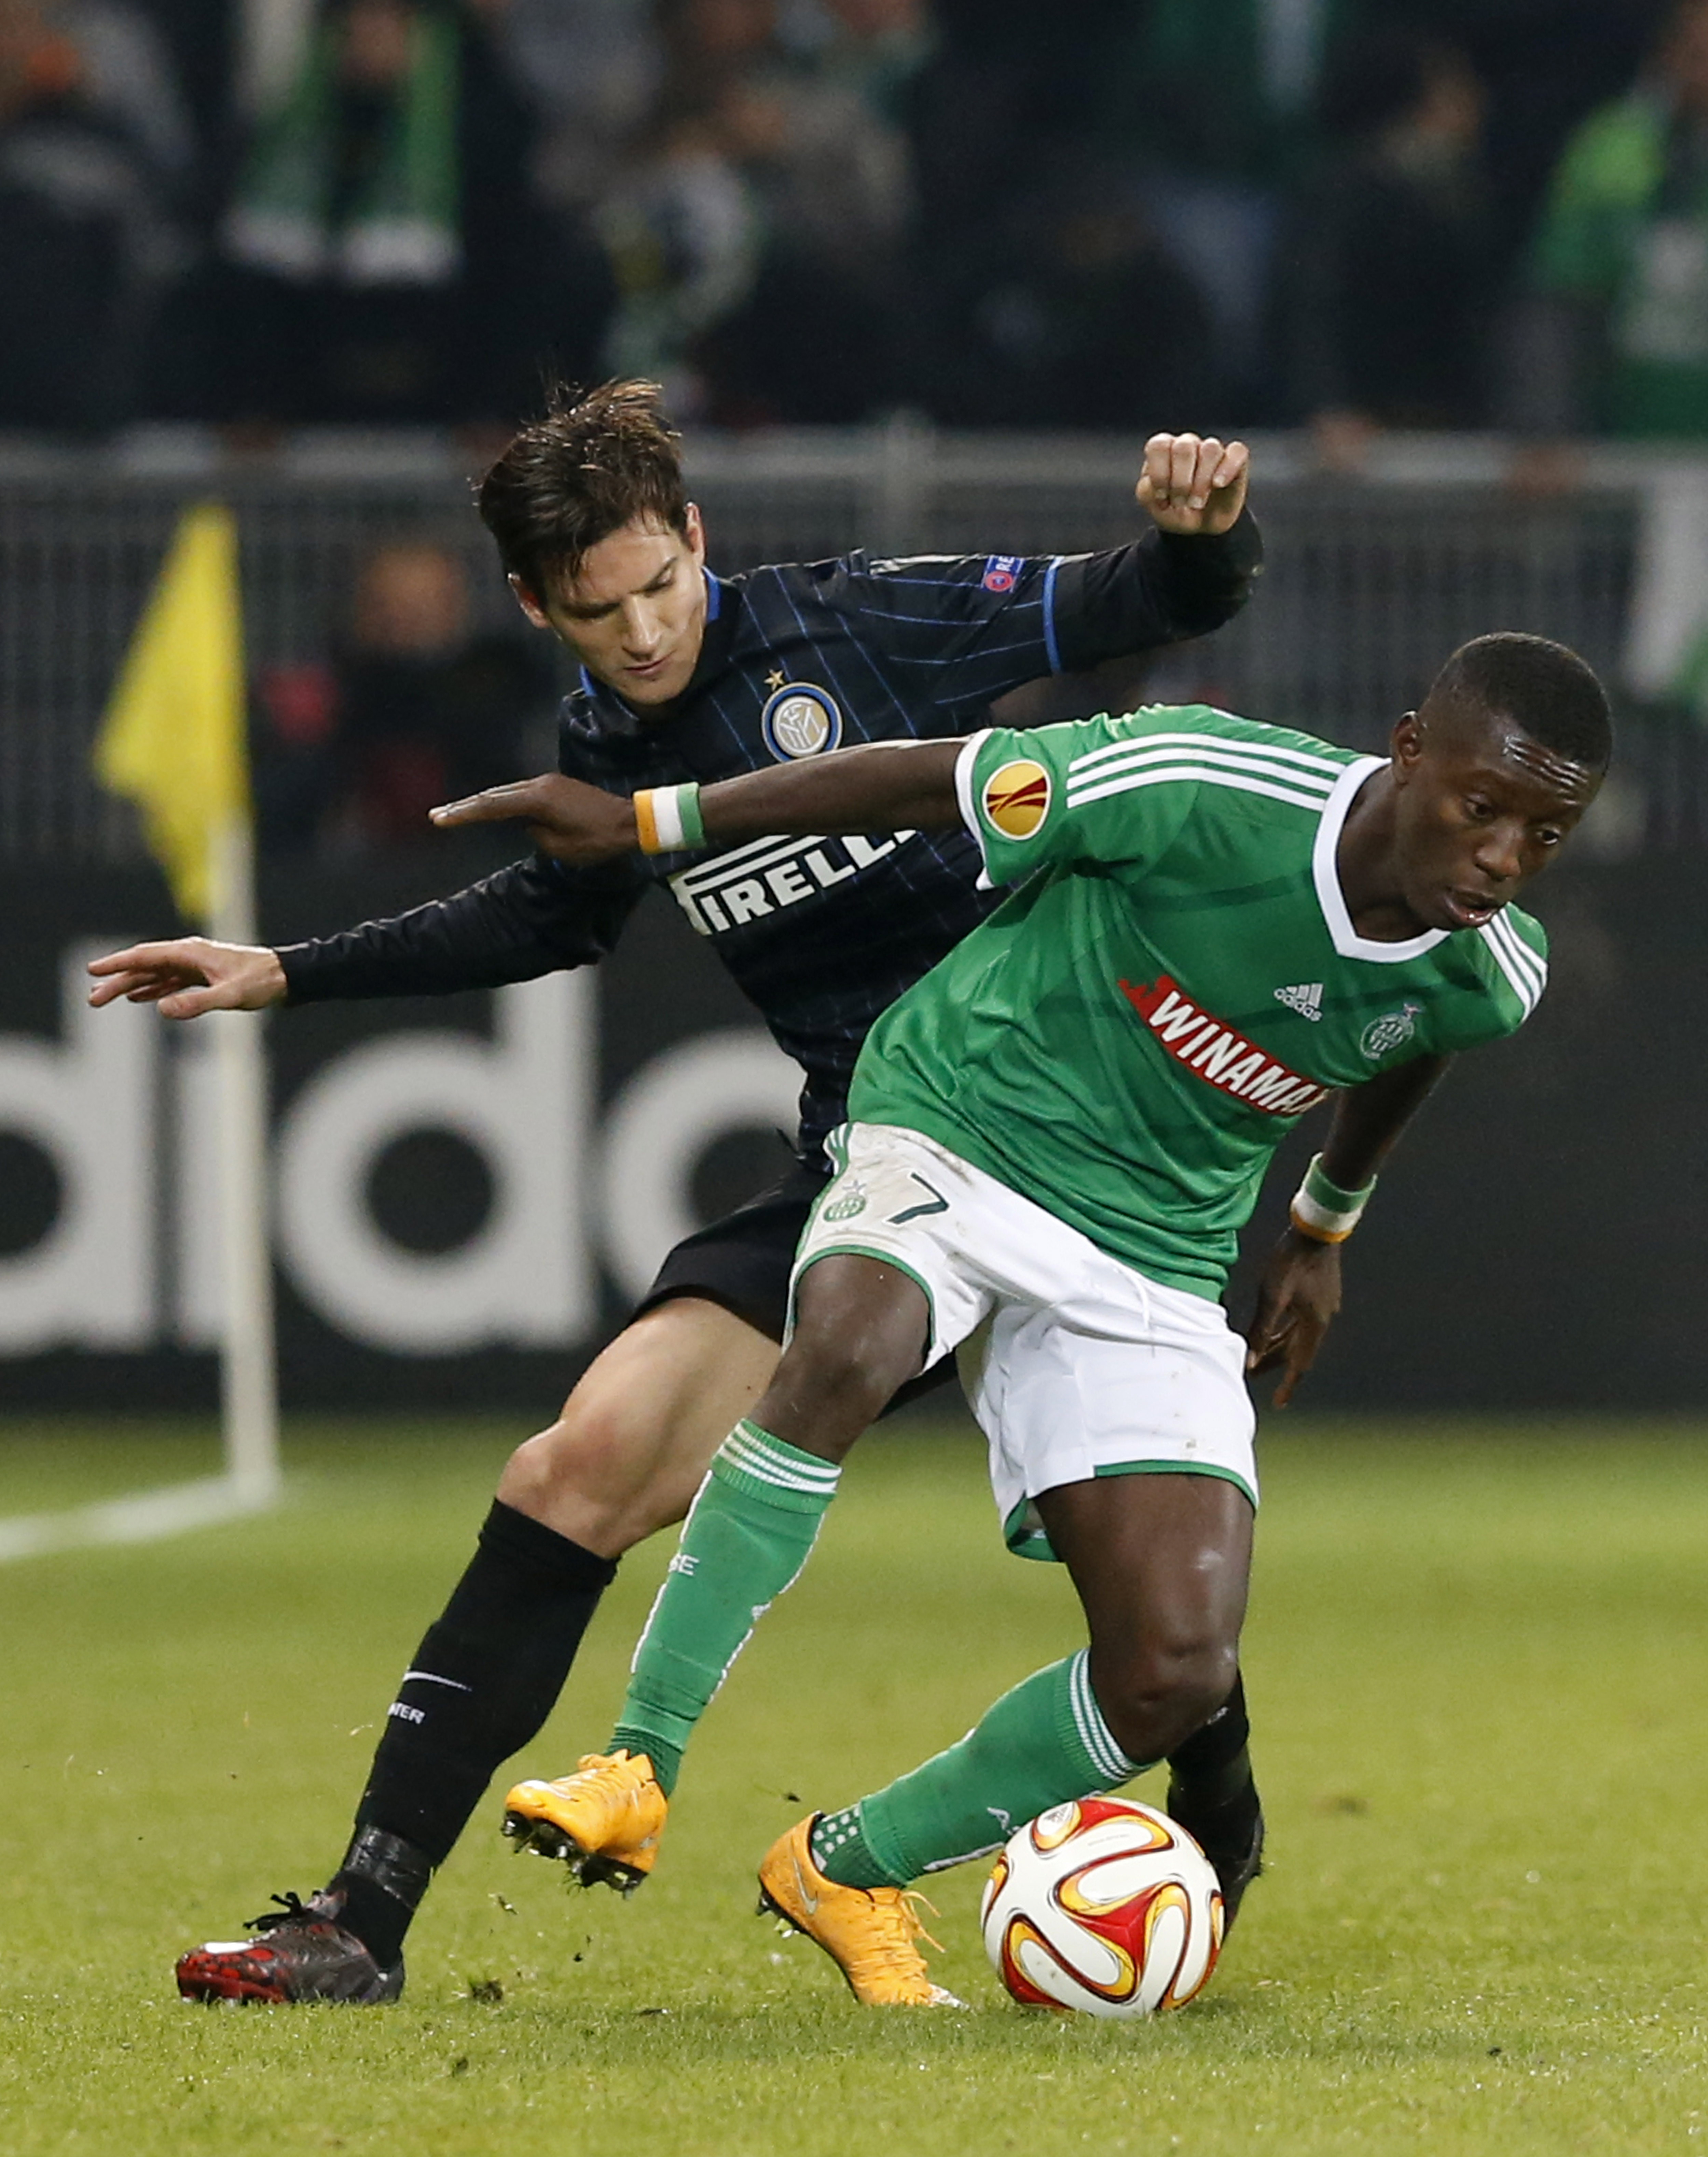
(1305, 997)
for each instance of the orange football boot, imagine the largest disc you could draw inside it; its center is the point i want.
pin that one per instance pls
(869, 1933)
(603, 1821)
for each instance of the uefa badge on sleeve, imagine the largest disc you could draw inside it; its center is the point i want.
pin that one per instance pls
(1016, 798)
(1002, 574)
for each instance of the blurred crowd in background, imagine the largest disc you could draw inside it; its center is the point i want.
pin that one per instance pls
(411, 703)
(1348, 217)
(1348, 214)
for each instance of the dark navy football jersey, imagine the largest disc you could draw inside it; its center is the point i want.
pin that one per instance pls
(820, 934)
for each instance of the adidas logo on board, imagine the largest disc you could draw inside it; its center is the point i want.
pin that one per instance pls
(1305, 997)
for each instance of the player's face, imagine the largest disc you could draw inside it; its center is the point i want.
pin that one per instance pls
(1480, 809)
(635, 612)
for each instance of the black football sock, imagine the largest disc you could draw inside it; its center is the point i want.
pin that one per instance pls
(479, 1686)
(1212, 1772)
(381, 1881)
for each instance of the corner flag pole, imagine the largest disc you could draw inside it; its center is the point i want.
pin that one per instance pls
(249, 1386)
(175, 740)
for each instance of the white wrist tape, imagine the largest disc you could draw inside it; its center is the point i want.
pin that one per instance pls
(1322, 1210)
(667, 819)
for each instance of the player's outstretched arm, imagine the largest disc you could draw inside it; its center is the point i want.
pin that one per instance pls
(1194, 483)
(189, 976)
(879, 787)
(1300, 1290)
(514, 925)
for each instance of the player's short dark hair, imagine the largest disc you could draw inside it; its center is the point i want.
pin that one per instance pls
(599, 459)
(1540, 686)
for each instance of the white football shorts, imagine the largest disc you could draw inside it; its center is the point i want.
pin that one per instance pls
(1076, 1365)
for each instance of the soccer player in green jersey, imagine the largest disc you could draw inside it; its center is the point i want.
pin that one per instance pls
(1054, 1140)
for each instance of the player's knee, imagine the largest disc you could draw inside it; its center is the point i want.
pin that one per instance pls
(862, 1332)
(850, 1375)
(531, 1480)
(589, 1453)
(1157, 1693)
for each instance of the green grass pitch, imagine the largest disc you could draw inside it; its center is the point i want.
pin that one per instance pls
(1476, 1664)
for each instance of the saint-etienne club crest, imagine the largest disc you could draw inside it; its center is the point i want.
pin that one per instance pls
(851, 1203)
(801, 719)
(1389, 1032)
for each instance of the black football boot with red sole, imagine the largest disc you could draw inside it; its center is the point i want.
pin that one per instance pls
(301, 1952)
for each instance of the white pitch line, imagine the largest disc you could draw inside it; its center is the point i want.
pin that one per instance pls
(147, 1516)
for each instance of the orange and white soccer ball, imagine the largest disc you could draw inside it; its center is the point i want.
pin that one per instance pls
(1104, 1906)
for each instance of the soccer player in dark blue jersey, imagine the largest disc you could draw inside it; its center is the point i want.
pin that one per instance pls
(689, 676)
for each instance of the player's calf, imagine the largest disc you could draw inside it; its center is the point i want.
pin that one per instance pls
(1161, 1563)
(861, 1333)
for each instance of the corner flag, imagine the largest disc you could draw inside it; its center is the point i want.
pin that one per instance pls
(173, 739)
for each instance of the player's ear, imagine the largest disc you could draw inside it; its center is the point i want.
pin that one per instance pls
(694, 532)
(1406, 744)
(528, 601)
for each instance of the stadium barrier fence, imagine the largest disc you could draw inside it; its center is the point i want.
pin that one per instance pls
(471, 1189)
(1369, 582)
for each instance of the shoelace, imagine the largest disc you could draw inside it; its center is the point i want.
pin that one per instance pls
(293, 1911)
(607, 1763)
(912, 1902)
(900, 1956)
(612, 1775)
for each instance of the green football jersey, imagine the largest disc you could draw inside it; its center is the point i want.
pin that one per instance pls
(1128, 1039)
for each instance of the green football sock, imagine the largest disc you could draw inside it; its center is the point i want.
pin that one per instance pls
(1042, 1743)
(749, 1532)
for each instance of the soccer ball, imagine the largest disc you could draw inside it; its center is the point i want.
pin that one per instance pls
(1105, 1906)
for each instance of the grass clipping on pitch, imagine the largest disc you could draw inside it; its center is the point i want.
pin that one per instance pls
(1475, 1658)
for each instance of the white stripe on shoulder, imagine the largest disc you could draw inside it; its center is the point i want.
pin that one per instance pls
(1525, 982)
(1137, 758)
(1527, 962)
(1240, 783)
(1234, 745)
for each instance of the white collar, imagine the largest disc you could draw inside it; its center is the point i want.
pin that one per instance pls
(1325, 870)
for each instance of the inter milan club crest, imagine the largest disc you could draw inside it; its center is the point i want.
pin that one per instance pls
(801, 719)
(1389, 1032)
